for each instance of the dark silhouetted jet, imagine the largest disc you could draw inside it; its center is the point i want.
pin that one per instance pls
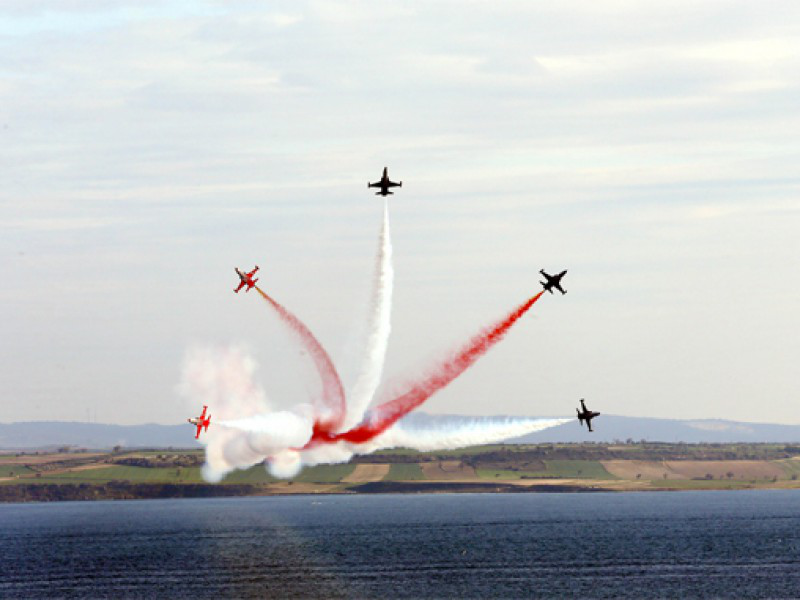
(553, 281)
(384, 184)
(586, 415)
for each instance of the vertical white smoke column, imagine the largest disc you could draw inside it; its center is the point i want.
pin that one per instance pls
(379, 327)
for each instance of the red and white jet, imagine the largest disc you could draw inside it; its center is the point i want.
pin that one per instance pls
(202, 422)
(247, 279)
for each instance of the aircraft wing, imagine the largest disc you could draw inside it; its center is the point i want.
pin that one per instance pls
(559, 288)
(199, 429)
(253, 272)
(203, 414)
(393, 184)
(241, 285)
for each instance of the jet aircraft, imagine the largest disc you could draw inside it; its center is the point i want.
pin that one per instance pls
(586, 415)
(553, 281)
(247, 279)
(202, 422)
(384, 184)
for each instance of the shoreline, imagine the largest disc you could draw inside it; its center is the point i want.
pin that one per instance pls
(82, 492)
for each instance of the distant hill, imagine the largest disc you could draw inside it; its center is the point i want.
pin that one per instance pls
(608, 428)
(52, 434)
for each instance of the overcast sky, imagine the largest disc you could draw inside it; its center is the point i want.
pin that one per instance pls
(147, 148)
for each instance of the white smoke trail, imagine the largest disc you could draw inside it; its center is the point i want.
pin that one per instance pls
(441, 434)
(380, 326)
(461, 433)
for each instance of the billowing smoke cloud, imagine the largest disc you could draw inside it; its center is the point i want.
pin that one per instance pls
(379, 327)
(245, 431)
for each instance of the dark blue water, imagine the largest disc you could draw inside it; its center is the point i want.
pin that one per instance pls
(638, 545)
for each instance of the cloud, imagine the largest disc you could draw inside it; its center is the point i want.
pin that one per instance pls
(630, 141)
(56, 224)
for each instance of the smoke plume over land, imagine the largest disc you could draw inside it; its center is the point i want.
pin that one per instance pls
(332, 428)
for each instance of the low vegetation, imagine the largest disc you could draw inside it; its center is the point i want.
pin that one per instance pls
(619, 466)
(404, 472)
(551, 469)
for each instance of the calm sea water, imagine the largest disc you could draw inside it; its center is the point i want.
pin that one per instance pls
(636, 545)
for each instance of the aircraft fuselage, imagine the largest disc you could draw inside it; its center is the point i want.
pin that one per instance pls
(553, 281)
(246, 279)
(587, 415)
(384, 184)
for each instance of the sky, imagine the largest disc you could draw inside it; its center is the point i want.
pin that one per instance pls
(147, 148)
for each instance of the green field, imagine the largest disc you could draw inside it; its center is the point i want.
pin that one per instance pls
(324, 473)
(319, 474)
(501, 474)
(588, 469)
(562, 469)
(703, 484)
(404, 472)
(792, 467)
(121, 473)
(468, 451)
(12, 470)
(253, 475)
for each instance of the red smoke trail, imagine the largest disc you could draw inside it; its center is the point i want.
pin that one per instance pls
(332, 390)
(386, 414)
